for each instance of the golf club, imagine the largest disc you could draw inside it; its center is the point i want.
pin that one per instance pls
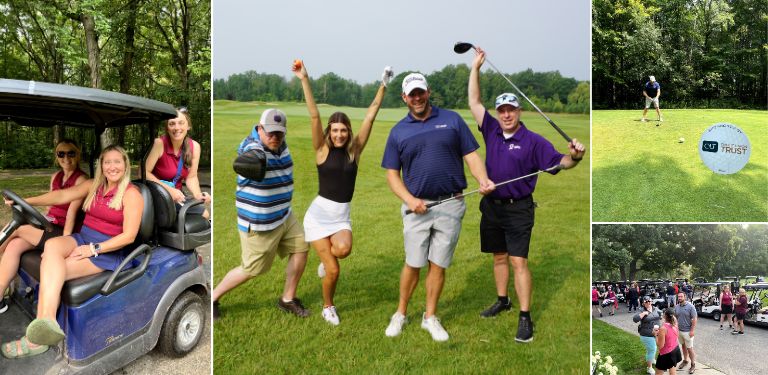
(553, 168)
(462, 47)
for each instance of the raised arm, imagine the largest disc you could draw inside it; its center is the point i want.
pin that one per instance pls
(314, 115)
(475, 101)
(365, 130)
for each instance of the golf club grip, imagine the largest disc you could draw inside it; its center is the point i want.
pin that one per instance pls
(408, 212)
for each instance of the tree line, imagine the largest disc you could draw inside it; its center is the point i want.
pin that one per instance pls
(549, 90)
(632, 252)
(704, 53)
(158, 49)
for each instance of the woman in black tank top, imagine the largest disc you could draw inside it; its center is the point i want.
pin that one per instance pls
(327, 224)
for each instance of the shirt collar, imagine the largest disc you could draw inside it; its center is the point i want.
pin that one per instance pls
(432, 114)
(518, 136)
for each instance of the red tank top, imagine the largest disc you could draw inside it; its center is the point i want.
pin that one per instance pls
(103, 219)
(595, 295)
(168, 163)
(670, 340)
(59, 211)
(727, 300)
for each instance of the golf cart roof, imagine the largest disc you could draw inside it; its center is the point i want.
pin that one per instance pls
(43, 104)
(707, 284)
(758, 286)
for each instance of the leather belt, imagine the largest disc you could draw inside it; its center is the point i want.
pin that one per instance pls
(440, 197)
(508, 201)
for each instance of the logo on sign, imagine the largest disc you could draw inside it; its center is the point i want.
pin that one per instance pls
(709, 146)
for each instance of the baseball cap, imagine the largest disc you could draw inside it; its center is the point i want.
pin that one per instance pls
(652, 78)
(414, 81)
(273, 120)
(507, 98)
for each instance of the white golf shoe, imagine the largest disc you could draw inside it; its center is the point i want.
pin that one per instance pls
(643, 119)
(432, 324)
(321, 270)
(396, 325)
(330, 315)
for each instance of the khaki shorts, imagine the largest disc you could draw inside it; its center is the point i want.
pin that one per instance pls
(685, 338)
(259, 248)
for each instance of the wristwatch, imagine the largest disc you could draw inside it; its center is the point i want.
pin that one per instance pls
(95, 249)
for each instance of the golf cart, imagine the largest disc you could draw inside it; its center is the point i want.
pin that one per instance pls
(655, 290)
(758, 304)
(706, 299)
(114, 317)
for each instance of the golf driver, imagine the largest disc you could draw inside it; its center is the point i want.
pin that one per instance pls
(553, 168)
(462, 47)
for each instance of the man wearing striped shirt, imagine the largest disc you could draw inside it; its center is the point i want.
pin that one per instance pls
(265, 220)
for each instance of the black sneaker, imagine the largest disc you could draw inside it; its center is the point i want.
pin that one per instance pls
(496, 308)
(3, 305)
(294, 307)
(216, 313)
(524, 330)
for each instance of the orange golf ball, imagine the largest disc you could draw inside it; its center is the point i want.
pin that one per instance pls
(297, 64)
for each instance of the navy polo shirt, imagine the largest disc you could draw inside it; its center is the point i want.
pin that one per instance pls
(651, 88)
(524, 153)
(430, 152)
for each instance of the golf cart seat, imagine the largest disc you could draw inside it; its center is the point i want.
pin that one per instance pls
(77, 291)
(178, 230)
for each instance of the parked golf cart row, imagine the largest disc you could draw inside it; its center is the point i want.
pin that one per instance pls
(112, 318)
(706, 300)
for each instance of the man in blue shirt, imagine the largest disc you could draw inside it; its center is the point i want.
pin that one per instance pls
(428, 145)
(652, 91)
(508, 212)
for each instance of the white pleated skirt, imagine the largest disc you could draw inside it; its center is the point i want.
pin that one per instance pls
(326, 217)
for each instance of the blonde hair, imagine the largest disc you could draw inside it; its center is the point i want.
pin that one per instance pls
(99, 181)
(75, 147)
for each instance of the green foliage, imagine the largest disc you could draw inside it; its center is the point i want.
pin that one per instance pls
(627, 351)
(549, 90)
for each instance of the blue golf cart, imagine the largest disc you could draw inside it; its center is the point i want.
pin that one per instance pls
(158, 297)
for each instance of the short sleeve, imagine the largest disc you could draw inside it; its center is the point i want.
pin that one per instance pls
(546, 156)
(391, 158)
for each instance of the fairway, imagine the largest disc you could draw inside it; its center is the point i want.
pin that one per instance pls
(640, 173)
(253, 336)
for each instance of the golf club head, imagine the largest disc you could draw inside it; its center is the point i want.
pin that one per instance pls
(462, 47)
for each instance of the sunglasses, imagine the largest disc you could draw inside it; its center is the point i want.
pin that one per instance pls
(62, 154)
(182, 109)
(277, 135)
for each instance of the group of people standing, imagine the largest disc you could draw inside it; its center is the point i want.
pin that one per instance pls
(113, 209)
(667, 332)
(428, 136)
(733, 309)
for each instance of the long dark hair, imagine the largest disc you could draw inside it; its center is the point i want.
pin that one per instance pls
(339, 117)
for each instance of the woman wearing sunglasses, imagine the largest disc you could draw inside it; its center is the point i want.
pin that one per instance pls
(63, 216)
(173, 160)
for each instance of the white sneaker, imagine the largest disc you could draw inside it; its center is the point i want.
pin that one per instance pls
(330, 316)
(650, 371)
(643, 119)
(432, 324)
(396, 325)
(661, 119)
(321, 270)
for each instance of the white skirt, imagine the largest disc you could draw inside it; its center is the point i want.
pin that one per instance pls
(324, 218)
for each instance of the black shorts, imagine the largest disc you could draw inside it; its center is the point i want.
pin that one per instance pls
(506, 226)
(740, 316)
(56, 232)
(669, 360)
(727, 309)
(595, 303)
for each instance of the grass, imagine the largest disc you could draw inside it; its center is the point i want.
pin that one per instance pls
(641, 173)
(627, 351)
(23, 186)
(255, 337)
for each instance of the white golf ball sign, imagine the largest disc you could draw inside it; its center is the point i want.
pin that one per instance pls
(724, 148)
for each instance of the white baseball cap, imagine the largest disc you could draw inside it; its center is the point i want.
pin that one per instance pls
(273, 120)
(414, 81)
(507, 98)
(652, 78)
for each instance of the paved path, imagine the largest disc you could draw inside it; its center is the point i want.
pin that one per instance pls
(717, 352)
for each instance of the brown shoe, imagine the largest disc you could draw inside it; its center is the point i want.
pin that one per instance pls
(692, 369)
(294, 307)
(682, 365)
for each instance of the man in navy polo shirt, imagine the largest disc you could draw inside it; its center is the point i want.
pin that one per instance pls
(651, 92)
(428, 145)
(507, 213)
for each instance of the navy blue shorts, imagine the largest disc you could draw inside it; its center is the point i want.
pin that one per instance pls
(106, 261)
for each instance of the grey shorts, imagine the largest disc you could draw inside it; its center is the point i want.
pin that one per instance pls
(432, 236)
(649, 101)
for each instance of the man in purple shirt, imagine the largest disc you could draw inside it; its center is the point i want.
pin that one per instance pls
(507, 213)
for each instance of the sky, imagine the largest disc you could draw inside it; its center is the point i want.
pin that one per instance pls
(357, 39)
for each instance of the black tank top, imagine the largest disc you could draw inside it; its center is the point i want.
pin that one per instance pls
(337, 176)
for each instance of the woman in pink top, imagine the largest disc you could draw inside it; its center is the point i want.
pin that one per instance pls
(596, 300)
(726, 306)
(666, 341)
(63, 216)
(113, 215)
(173, 150)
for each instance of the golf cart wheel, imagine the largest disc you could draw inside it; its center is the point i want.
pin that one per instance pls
(183, 326)
(716, 316)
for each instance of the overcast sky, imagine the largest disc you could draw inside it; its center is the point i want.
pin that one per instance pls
(356, 39)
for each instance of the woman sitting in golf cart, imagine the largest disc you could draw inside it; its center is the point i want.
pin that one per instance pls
(327, 224)
(62, 216)
(173, 160)
(113, 209)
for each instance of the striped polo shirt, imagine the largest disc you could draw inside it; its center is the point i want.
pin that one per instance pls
(264, 205)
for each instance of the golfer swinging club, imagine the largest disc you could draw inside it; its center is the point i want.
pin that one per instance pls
(652, 91)
(507, 213)
(429, 145)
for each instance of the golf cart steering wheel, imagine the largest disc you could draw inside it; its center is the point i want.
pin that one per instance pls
(24, 213)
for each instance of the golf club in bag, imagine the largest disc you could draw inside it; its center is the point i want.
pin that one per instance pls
(462, 47)
(553, 168)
